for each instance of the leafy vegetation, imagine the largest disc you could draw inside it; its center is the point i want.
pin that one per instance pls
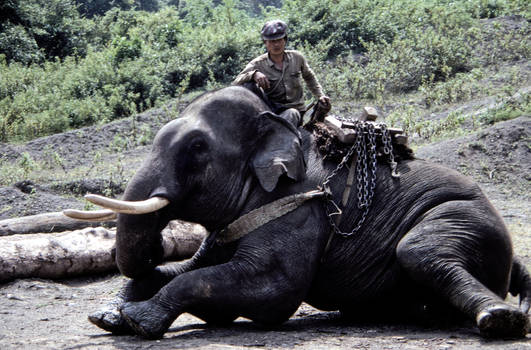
(71, 63)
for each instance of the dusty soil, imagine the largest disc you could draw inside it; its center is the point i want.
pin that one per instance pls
(45, 314)
(39, 314)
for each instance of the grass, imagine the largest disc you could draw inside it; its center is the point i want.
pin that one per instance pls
(439, 110)
(107, 164)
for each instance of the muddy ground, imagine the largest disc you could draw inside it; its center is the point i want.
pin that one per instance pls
(45, 314)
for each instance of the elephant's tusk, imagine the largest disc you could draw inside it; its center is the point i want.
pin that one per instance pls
(129, 207)
(95, 215)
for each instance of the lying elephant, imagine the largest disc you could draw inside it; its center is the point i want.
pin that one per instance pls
(431, 241)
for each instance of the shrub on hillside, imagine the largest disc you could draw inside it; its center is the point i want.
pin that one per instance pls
(52, 27)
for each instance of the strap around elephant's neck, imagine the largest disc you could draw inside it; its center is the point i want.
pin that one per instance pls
(258, 217)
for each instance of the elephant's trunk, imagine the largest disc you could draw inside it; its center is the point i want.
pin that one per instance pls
(138, 239)
(139, 243)
(142, 217)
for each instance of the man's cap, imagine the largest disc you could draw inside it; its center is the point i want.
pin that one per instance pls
(273, 30)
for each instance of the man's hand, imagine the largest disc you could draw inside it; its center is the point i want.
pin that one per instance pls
(261, 80)
(325, 100)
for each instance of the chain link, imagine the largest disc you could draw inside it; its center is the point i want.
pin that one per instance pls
(365, 171)
(388, 149)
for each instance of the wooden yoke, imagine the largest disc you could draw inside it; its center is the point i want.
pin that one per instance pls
(345, 130)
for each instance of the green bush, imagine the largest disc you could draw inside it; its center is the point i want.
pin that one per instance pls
(344, 24)
(40, 100)
(403, 64)
(460, 88)
(17, 44)
(508, 109)
(91, 8)
(50, 27)
(126, 49)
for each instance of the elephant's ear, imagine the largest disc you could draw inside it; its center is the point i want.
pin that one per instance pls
(279, 153)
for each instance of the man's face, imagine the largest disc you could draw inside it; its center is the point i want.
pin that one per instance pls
(275, 47)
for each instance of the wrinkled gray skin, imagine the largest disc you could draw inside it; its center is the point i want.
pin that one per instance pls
(431, 245)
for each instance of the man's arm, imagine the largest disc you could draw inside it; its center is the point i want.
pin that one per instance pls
(246, 74)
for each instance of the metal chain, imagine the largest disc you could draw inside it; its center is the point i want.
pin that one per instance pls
(365, 168)
(372, 156)
(339, 167)
(388, 149)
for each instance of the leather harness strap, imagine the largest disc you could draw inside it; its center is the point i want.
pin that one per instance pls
(344, 201)
(258, 217)
(350, 182)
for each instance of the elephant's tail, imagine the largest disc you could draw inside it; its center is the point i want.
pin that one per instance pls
(521, 284)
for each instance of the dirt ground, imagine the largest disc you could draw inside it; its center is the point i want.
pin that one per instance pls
(41, 314)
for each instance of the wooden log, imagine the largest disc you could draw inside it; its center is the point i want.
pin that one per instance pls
(346, 133)
(181, 240)
(82, 252)
(43, 223)
(369, 114)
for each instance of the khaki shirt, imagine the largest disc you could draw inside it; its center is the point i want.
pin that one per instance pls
(285, 85)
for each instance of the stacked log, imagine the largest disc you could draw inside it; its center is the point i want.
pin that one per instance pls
(79, 252)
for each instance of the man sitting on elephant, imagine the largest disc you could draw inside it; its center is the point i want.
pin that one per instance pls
(278, 73)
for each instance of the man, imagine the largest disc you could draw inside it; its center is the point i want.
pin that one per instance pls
(278, 72)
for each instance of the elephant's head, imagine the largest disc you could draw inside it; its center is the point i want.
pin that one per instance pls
(202, 168)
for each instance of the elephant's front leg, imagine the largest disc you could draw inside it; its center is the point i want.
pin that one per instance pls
(239, 288)
(109, 317)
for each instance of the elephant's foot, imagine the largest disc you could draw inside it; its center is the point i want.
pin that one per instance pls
(146, 319)
(110, 320)
(503, 321)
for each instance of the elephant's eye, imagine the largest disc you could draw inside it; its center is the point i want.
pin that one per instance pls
(196, 153)
(198, 149)
(198, 146)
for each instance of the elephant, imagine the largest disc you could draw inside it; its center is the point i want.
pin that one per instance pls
(428, 245)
